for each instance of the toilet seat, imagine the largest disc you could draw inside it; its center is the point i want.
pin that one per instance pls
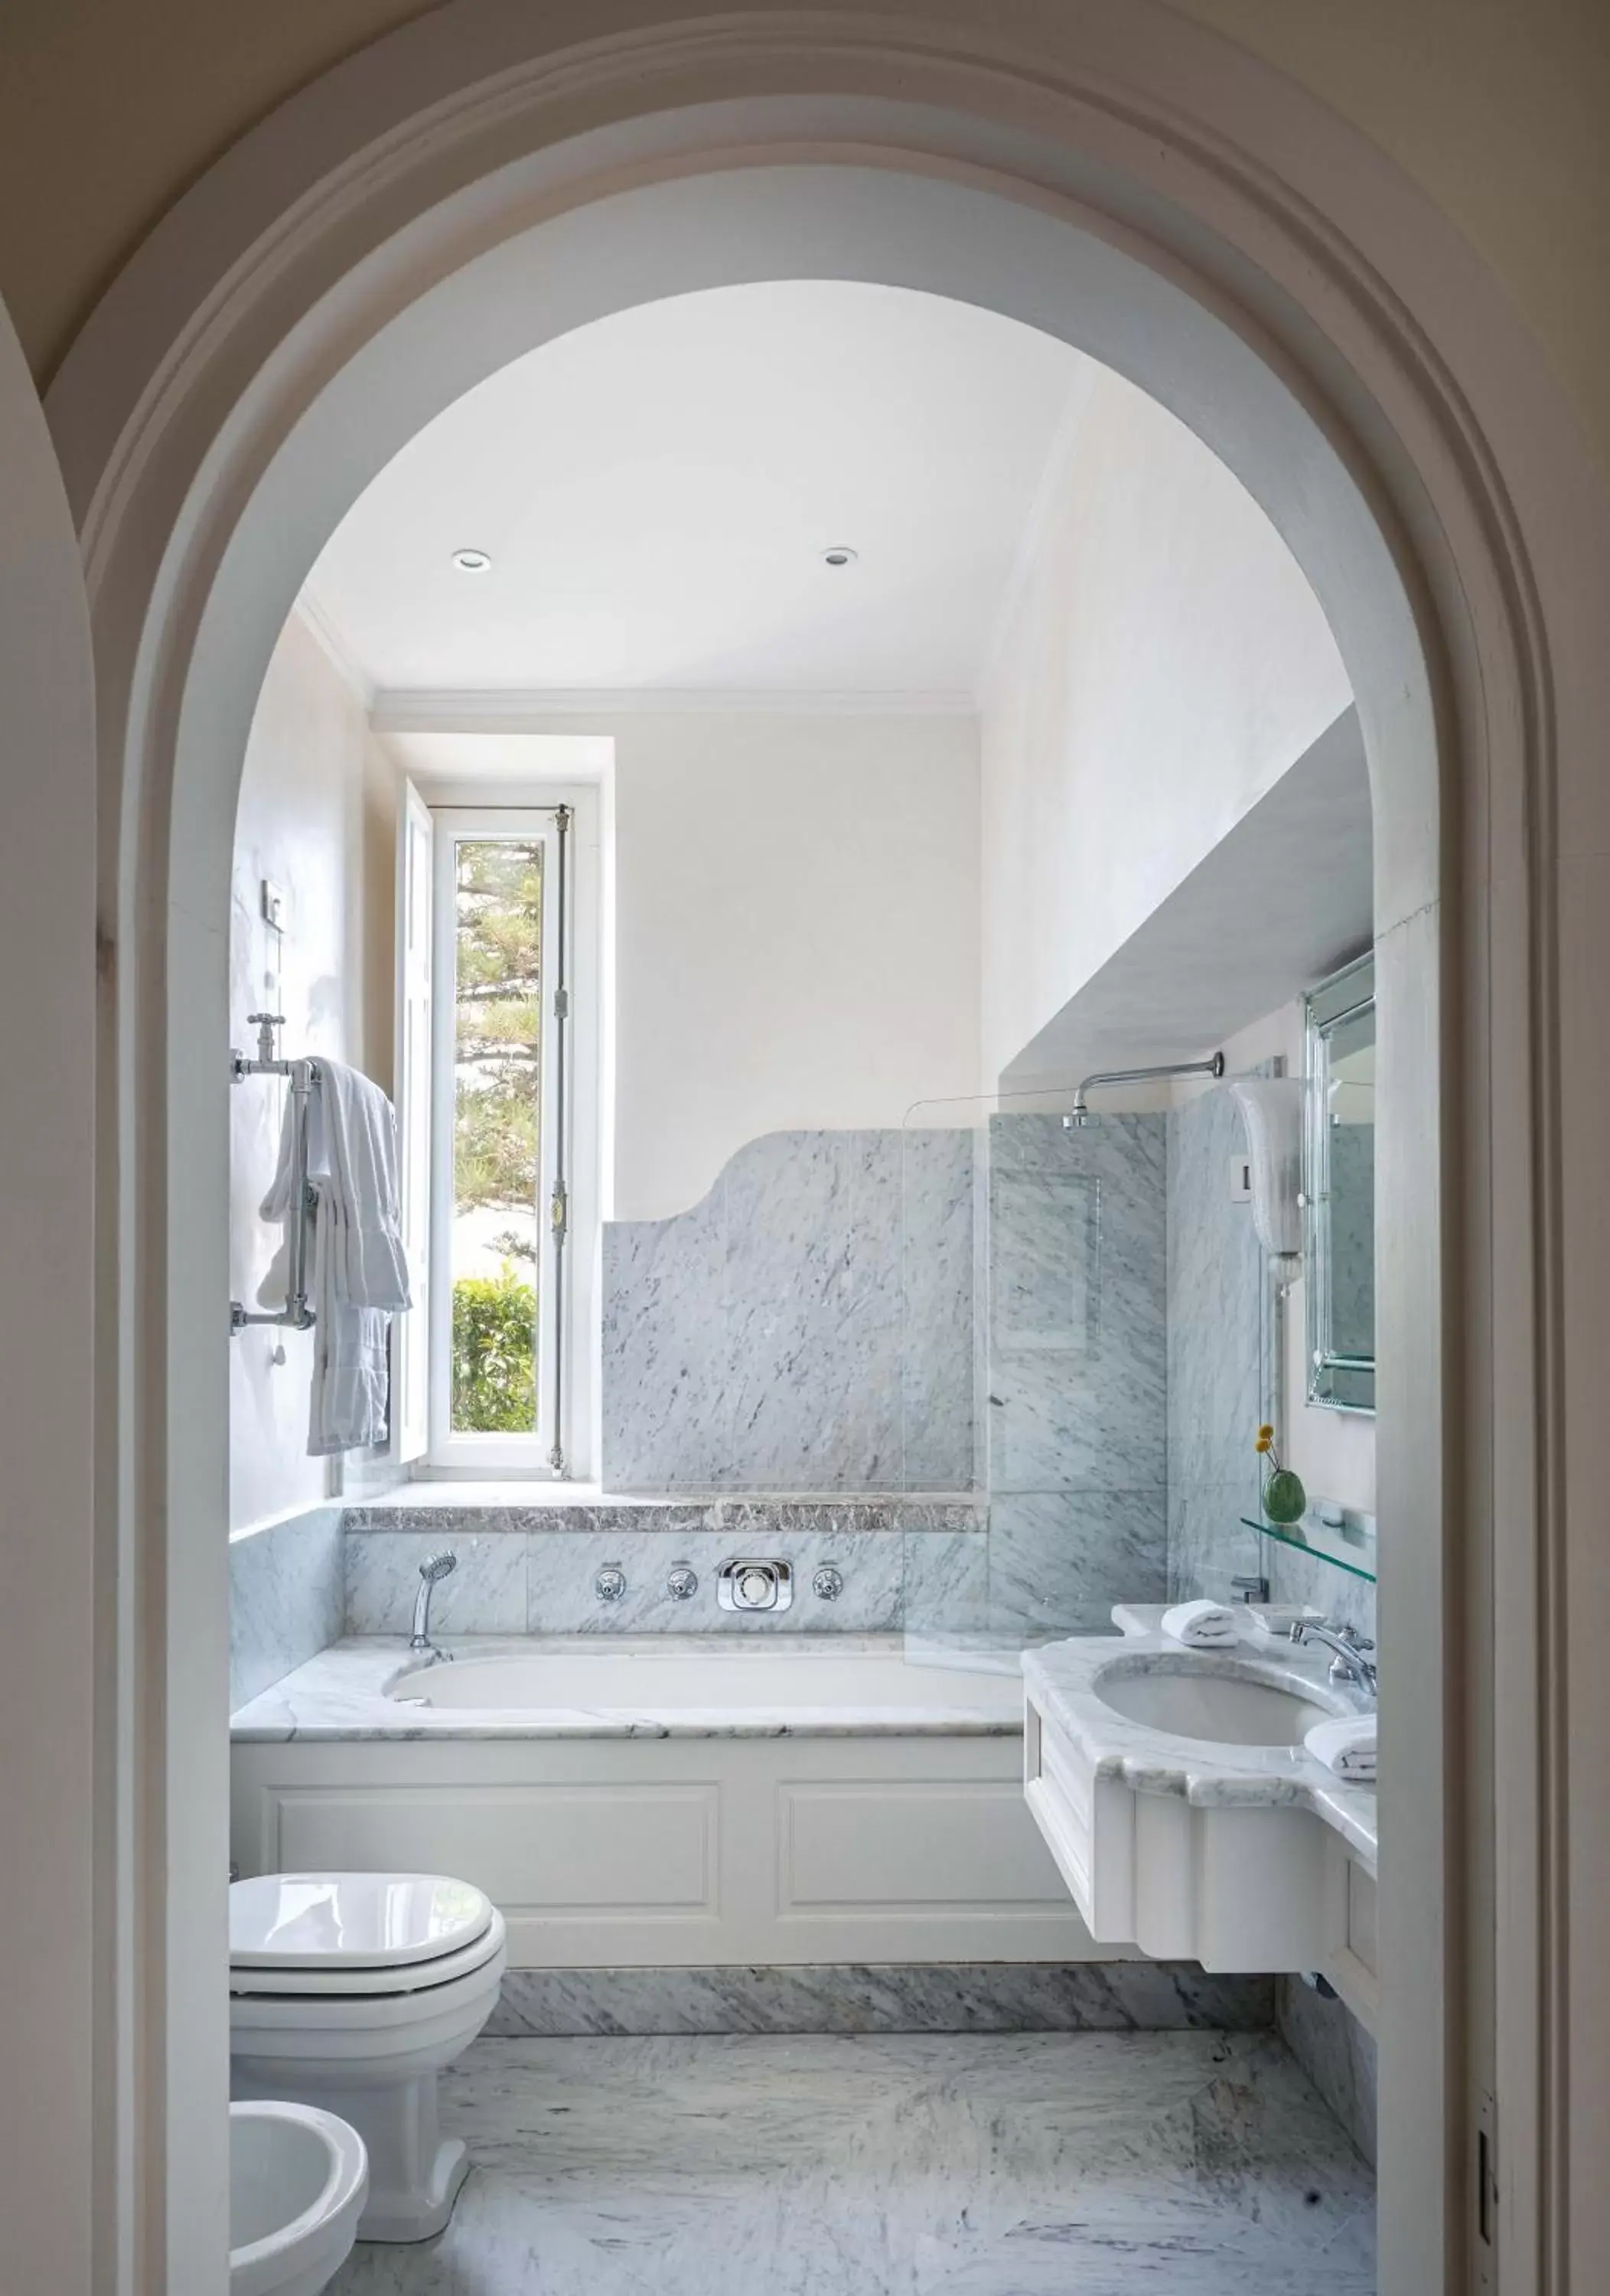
(340, 1926)
(307, 1981)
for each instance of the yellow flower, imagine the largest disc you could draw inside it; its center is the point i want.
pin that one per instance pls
(1266, 1434)
(1264, 1443)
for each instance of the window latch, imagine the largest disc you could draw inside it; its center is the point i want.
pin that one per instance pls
(559, 1212)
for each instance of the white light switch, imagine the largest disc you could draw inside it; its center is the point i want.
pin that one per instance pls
(276, 909)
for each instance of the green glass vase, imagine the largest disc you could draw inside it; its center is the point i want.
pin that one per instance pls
(1285, 1501)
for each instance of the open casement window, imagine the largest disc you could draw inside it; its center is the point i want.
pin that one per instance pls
(411, 1334)
(486, 1086)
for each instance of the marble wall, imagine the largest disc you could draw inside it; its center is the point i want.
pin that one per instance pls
(532, 1571)
(1075, 1369)
(1221, 1343)
(992, 1997)
(807, 1327)
(287, 1598)
(1335, 2053)
(1217, 1337)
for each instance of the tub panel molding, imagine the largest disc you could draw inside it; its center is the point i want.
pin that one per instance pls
(642, 1852)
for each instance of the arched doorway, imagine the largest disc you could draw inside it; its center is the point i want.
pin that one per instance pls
(228, 403)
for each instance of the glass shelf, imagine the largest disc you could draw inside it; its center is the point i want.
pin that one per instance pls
(1353, 1551)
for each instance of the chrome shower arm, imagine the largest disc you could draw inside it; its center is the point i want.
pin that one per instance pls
(1080, 1114)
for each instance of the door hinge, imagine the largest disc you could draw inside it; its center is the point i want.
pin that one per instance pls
(561, 1004)
(559, 1212)
(1486, 2191)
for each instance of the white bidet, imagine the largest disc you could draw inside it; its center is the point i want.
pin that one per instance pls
(298, 2181)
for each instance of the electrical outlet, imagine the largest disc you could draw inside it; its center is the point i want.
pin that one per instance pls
(276, 907)
(1241, 1180)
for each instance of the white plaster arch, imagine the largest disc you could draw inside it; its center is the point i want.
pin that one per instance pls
(432, 209)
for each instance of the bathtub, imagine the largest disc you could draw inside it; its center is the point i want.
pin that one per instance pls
(669, 1801)
(804, 1686)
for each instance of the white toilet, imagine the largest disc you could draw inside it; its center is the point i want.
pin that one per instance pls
(352, 1991)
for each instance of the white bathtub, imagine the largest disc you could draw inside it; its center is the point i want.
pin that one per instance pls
(669, 1801)
(797, 1686)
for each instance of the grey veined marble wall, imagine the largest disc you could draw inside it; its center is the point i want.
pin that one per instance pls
(807, 1327)
(1216, 1338)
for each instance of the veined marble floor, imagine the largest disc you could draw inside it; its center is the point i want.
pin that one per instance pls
(1004, 2164)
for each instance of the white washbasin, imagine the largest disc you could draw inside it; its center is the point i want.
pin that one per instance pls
(1203, 1700)
(298, 2181)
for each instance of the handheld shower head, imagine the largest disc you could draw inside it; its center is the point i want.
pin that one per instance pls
(433, 1570)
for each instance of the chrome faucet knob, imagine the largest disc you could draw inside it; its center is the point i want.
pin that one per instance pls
(828, 1585)
(610, 1583)
(681, 1582)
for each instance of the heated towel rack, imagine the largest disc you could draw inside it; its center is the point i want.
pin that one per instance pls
(305, 1078)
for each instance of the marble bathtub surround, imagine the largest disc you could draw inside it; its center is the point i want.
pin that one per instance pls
(980, 2164)
(287, 1599)
(989, 1997)
(1062, 1679)
(341, 1694)
(522, 1573)
(807, 1326)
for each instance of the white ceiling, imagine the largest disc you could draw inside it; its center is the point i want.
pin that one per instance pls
(655, 492)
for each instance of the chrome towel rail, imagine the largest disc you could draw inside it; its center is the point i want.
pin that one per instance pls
(304, 1078)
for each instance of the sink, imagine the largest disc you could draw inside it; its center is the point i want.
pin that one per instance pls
(1203, 1700)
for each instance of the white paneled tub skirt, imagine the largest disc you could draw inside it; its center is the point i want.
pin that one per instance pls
(669, 1800)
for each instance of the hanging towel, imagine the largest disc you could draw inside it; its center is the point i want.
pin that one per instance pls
(359, 1269)
(1201, 1624)
(1346, 1746)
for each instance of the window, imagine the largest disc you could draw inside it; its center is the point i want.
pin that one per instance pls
(491, 1091)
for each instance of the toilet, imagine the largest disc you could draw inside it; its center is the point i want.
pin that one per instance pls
(351, 1992)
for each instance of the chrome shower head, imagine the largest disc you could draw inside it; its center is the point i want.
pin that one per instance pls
(442, 1564)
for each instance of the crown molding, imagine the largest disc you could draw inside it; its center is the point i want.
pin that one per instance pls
(333, 646)
(401, 709)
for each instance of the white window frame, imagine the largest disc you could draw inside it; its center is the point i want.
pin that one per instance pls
(558, 1449)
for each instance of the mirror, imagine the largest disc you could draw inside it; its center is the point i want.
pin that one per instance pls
(1339, 1188)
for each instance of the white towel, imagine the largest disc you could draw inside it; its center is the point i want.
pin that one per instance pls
(1346, 1746)
(359, 1270)
(1201, 1624)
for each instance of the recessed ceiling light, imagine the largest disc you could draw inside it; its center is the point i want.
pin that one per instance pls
(472, 561)
(839, 553)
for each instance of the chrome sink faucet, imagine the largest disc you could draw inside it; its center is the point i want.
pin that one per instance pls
(433, 1570)
(1348, 1663)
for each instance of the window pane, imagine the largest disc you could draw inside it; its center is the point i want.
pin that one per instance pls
(497, 1134)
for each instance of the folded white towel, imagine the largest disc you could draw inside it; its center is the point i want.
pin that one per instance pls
(1346, 1746)
(1201, 1624)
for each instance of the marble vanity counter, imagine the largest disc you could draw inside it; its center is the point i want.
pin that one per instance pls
(836, 1686)
(1061, 1680)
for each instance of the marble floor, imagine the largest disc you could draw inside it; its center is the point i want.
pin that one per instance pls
(1001, 2164)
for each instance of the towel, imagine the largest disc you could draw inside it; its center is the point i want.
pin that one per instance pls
(359, 1269)
(1201, 1624)
(1346, 1746)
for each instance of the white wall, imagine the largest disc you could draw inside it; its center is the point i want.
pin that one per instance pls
(315, 816)
(797, 931)
(1159, 665)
